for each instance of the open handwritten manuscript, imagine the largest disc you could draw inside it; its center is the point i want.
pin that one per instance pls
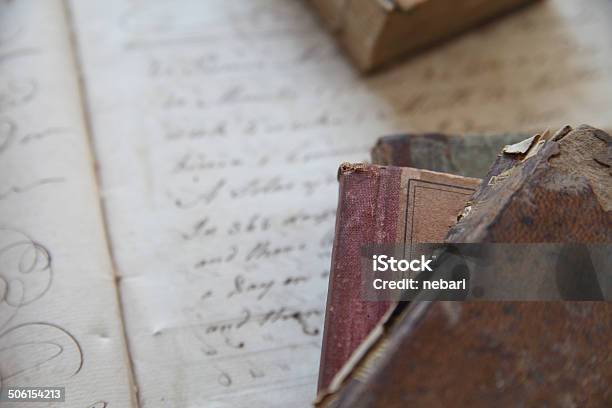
(167, 179)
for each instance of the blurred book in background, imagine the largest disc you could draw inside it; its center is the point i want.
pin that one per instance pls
(376, 32)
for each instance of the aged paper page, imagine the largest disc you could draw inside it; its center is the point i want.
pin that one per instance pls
(219, 127)
(60, 324)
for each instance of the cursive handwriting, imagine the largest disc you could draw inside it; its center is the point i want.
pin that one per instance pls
(39, 352)
(26, 272)
(21, 189)
(17, 92)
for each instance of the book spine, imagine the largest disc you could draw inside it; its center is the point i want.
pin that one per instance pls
(368, 211)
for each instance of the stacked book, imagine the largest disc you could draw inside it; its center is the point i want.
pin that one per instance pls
(551, 188)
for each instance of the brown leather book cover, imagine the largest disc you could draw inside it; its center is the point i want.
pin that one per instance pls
(465, 155)
(379, 205)
(376, 32)
(549, 188)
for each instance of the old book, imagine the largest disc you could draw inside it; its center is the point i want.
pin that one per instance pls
(549, 188)
(375, 32)
(379, 205)
(503, 354)
(465, 155)
(542, 183)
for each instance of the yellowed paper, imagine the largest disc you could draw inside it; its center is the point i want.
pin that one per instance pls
(59, 317)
